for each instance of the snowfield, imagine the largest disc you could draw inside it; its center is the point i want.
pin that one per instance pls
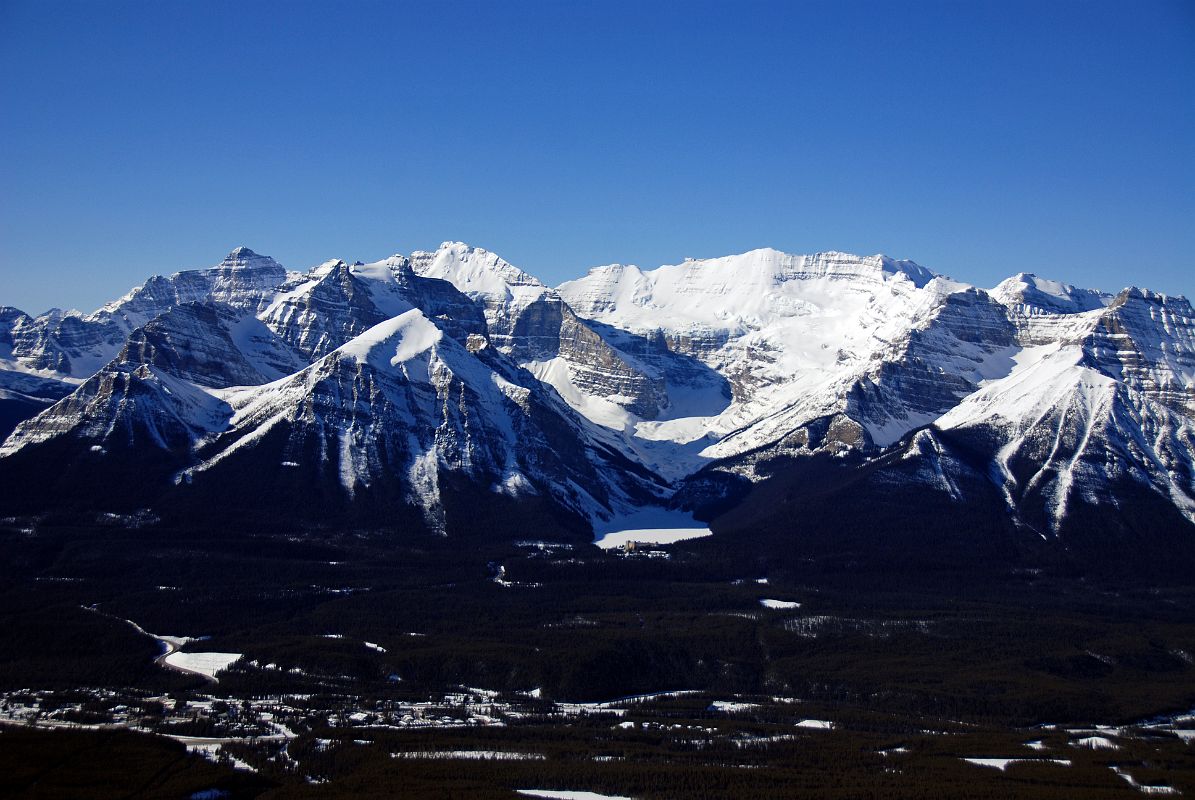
(202, 663)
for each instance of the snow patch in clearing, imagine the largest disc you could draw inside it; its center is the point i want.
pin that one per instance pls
(767, 603)
(731, 706)
(816, 724)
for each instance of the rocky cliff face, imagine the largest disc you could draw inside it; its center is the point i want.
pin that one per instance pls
(212, 345)
(1147, 341)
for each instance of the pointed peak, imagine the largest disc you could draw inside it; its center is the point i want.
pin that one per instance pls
(1034, 280)
(1149, 296)
(10, 313)
(243, 256)
(400, 266)
(320, 271)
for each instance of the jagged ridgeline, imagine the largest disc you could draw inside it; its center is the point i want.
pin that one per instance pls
(828, 406)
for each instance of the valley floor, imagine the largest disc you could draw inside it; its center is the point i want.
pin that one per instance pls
(372, 665)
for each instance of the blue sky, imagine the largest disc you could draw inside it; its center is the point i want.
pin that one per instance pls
(979, 139)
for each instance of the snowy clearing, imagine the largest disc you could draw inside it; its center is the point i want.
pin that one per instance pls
(731, 706)
(816, 724)
(779, 603)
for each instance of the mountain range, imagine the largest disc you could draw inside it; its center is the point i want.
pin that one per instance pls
(829, 406)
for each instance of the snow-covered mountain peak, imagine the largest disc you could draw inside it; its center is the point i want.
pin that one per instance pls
(241, 270)
(241, 256)
(1177, 303)
(326, 268)
(397, 263)
(802, 339)
(382, 271)
(475, 271)
(837, 265)
(1028, 294)
(394, 341)
(919, 275)
(742, 292)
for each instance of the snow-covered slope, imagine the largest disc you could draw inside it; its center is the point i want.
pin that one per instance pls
(883, 344)
(1112, 400)
(403, 405)
(126, 406)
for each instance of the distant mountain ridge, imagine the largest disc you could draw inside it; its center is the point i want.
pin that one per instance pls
(402, 389)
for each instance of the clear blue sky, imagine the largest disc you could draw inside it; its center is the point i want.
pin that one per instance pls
(979, 139)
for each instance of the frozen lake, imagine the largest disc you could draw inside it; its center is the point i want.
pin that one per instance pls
(650, 526)
(203, 663)
(550, 794)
